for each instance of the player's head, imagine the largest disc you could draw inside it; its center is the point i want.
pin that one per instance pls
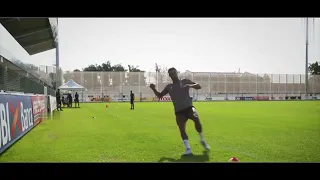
(58, 90)
(131, 92)
(173, 73)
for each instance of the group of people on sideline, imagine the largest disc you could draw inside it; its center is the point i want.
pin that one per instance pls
(66, 101)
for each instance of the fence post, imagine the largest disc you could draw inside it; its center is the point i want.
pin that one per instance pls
(271, 82)
(210, 85)
(286, 88)
(192, 91)
(139, 74)
(101, 84)
(279, 85)
(225, 85)
(257, 91)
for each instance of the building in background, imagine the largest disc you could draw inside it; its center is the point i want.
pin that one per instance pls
(21, 38)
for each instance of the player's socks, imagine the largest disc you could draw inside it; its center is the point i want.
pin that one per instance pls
(203, 142)
(186, 143)
(201, 136)
(188, 149)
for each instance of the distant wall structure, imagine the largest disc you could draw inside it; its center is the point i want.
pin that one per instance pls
(116, 86)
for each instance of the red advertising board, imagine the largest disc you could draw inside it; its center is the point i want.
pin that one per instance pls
(165, 98)
(39, 108)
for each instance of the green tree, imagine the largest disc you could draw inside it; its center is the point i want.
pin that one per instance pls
(314, 68)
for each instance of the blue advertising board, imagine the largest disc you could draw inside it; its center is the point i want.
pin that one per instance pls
(16, 118)
(244, 98)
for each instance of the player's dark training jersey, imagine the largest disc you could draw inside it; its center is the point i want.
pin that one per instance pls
(180, 95)
(131, 98)
(76, 97)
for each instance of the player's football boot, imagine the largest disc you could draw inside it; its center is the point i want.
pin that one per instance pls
(188, 152)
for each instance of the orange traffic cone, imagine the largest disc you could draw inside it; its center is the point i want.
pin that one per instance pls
(234, 159)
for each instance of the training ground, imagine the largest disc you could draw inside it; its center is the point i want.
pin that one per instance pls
(273, 131)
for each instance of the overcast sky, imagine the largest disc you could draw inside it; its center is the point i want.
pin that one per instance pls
(270, 45)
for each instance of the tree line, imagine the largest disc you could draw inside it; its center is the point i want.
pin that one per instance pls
(134, 76)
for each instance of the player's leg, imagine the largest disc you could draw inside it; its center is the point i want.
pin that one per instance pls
(181, 120)
(193, 115)
(59, 105)
(132, 104)
(57, 100)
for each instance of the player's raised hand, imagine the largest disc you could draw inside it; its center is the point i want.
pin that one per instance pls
(152, 86)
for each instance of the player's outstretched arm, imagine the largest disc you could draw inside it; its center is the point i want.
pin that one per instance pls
(159, 94)
(192, 84)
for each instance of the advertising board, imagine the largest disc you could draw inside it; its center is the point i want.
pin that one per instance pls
(16, 118)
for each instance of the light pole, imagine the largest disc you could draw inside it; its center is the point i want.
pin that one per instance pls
(307, 51)
(57, 55)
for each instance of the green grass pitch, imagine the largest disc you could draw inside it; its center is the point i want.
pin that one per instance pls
(278, 131)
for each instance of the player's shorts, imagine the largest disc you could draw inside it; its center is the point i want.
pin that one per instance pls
(188, 113)
(76, 100)
(131, 101)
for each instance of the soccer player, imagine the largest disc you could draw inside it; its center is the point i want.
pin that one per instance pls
(132, 100)
(76, 100)
(183, 106)
(58, 99)
(69, 100)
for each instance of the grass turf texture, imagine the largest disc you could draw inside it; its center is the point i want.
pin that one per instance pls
(252, 131)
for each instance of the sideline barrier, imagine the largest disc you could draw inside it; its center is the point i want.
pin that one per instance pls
(19, 113)
(163, 99)
(51, 104)
(39, 103)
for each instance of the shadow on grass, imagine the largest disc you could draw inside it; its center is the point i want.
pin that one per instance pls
(188, 158)
(56, 114)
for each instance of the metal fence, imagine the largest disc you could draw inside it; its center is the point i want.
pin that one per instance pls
(12, 80)
(118, 83)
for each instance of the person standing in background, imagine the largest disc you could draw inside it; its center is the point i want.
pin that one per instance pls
(132, 100)
(58, 99)
(76, 100)
(69, 100)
